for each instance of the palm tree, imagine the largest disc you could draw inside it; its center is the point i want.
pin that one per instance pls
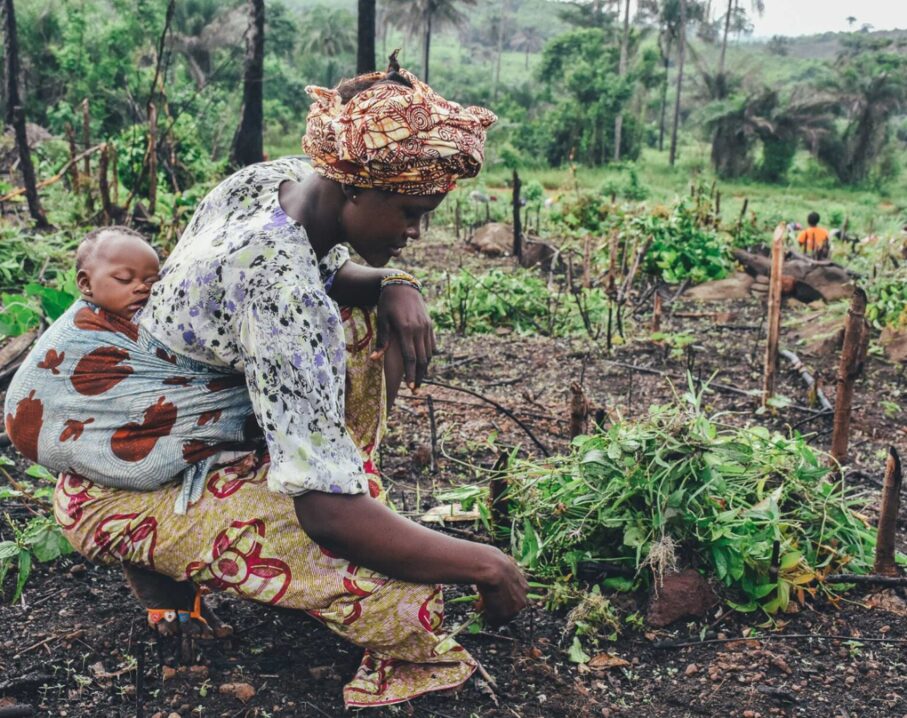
(200, 28)
(528, 40)
(422, 17)
(871, 87)
(739, 122)
(328, 33)
(851, 21)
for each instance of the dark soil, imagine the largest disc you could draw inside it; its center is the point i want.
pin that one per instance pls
(77, 644)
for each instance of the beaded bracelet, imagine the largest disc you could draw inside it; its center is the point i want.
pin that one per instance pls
(401, 278)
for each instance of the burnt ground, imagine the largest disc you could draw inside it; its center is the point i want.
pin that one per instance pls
(77, 644)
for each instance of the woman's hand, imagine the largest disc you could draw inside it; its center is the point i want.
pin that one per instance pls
(504, 594)
(402, 314)
(397, 547)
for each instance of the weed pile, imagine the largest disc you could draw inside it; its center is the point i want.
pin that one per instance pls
(682, 489)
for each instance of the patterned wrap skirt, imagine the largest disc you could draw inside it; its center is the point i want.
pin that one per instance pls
(240, 537)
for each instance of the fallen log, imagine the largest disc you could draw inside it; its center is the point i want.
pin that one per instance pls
(808, 279)
(55, 178)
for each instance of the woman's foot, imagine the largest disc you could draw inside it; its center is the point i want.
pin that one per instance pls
(156, 591)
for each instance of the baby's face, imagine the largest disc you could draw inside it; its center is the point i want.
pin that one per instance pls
(119, 274)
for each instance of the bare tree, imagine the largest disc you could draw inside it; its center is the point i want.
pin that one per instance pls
(681, 51)
(15, 113)
(365, 49)
(622, 70)
(249, 138)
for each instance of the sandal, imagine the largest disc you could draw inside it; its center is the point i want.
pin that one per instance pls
(169, 615)
(196, 612)
(156, 615)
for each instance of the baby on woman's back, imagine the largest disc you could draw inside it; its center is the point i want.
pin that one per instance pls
(99, 397)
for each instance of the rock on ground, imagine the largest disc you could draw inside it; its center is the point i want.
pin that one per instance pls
(682, 595)
(494, 239)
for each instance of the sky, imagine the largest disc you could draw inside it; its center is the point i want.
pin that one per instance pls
(808, 17)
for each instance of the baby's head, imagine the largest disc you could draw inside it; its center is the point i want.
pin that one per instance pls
(115, 269)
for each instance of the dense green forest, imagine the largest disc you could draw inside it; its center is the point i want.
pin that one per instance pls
(566, 79)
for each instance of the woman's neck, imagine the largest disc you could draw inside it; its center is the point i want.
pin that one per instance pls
(316, 204)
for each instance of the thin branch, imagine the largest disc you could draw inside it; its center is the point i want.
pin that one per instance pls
(509, 414)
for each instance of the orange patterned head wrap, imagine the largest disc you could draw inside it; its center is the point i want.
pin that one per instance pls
(393, 137)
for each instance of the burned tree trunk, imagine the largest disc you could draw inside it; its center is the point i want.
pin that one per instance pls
(248, 142)
(856, 336)
(15, 113)
(365, 49)
(579, 410)
(888, 516)
(517, 223)
(774, 315)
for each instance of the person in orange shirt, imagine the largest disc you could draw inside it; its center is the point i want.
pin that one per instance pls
(814, 239)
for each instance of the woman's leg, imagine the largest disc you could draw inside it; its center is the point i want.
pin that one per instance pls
(155, 590)
(240, 537)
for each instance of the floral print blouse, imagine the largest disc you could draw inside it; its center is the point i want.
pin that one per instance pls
(243, 291)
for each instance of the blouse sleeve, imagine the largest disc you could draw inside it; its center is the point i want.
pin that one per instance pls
(294, 348)
(333, 261)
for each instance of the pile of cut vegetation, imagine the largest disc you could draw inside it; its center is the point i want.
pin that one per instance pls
(761, 512)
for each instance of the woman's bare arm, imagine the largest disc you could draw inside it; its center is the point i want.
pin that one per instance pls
(369, 534)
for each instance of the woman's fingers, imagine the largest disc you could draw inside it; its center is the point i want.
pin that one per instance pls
(507, 597)
(408, 348)
(424, 359)
(383, 338)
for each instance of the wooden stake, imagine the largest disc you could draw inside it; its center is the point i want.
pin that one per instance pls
(74, 165)
(103, 187)
(115, 178)
(856, 336)
(579, 410)
(774, 315)
(86, 163)
(152, 158)
(497, 500)
(517, 221)
(457, 218)
(612, 265)
(888, 516)
(587, 262)
(656, 314)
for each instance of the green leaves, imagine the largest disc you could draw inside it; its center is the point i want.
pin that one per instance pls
(40, 540)
(684, 246)
(518, 300)
(23, 312)
(678, 484)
